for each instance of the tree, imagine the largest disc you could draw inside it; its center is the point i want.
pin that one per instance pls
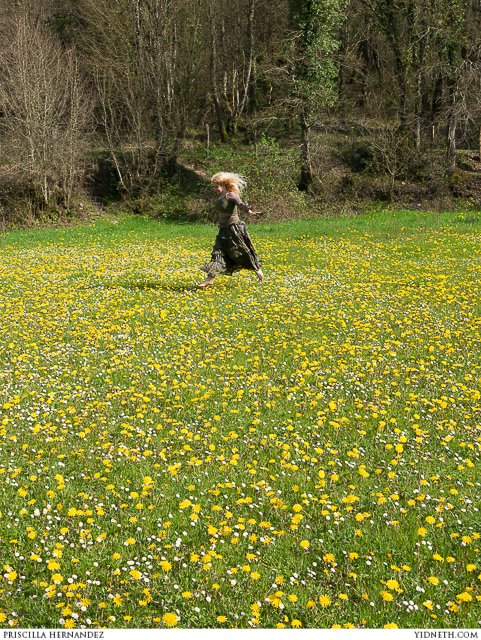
(45, 112)
(315, 40)
(143, 59)
(456, 34)
(232, 43)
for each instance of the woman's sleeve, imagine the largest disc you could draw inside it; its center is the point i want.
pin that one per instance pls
(233, 197)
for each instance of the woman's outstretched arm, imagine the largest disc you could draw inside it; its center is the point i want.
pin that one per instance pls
(233, 197)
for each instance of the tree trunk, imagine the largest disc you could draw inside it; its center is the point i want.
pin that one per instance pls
(451, 138)
(219, 116)
(250, 64)
(391, 23)
(306, 165)
(252, 104)
(452, 115)
(341, 79)
(418, 116)
(418, 63)
(437, 100)
(403, 92)
(138, 30)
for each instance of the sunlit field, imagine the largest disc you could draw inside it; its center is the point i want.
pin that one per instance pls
(298, 453)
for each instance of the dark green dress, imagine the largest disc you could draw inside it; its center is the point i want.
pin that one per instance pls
(233, 249)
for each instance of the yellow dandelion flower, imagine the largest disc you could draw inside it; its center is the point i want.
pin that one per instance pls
(170, 619)
(392, 584)
(135, 573)
(324, 601)
(165, 566)
(464, 597)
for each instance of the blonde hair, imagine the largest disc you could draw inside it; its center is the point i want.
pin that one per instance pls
(231, 181)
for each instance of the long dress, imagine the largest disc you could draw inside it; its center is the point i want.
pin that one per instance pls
(233, 249)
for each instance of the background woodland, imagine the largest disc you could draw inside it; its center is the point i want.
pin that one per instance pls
(320, 103)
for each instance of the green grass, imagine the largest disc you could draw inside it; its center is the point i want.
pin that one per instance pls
(159, 444)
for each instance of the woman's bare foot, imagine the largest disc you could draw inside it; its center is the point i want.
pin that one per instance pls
(206, 283)
(260, 275)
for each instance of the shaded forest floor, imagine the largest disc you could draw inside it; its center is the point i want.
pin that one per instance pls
(349, 177)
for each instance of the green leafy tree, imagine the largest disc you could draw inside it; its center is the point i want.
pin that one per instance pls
(315, 41)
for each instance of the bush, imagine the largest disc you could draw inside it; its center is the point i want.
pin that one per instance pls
(358, 157)
(271, 172)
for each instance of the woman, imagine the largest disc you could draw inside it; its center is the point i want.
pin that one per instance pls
(233, 248)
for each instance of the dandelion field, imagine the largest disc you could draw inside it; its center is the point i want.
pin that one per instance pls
(301, 453)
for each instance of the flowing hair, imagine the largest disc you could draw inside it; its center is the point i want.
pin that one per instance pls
(231, 181)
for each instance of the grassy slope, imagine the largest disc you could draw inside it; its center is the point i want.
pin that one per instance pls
(159, 445)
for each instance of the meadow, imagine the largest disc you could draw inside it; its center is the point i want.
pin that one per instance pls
(298, 453)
